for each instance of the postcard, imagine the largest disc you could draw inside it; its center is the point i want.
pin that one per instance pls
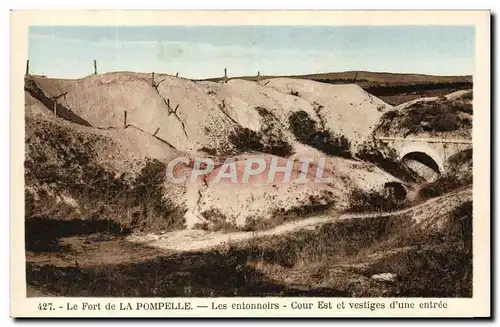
(250, 163)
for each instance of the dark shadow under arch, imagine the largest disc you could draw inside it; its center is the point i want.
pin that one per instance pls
(423, 158)
(397, 190)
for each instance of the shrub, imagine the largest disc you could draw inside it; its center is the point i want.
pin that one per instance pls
(386, 159)
(245, 139)
(463, 106)
(315, 205)
(318, 109)
(374, 200)
(445, 122)
(268, 140)
(439, 116)
(278, 147)
(265, 113)
(216, 221)
(302, 126)
(459, 174)
(259, 224)
(465, 123)
(462, 217)
(459, 158)
(396, 190)
(212, 152)
(443, 185)
(390, 115)
(467, 96)
(428, 116)
(272, 136)
(147, 193)
(307, 132)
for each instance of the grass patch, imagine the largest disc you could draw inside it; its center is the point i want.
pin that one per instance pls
(460, 158)
(375, 201)
(343, 255)
(244, 139)
(210, 151)
(336, 259)
(270, 139)
(307, 132)
(441, 115)
(437, 262)
(273, 139)
(441, 186)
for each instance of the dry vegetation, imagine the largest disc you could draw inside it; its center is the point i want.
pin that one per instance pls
(67, 180)
(333, 260)
(307, 132)
(459, 174)
(270, 139)
(81, 203)
(441, 115)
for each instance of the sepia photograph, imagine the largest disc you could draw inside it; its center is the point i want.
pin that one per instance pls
(250, 160)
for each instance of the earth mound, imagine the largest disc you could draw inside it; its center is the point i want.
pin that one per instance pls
(90, 149)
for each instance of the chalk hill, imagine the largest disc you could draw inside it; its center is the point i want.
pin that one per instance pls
(98, 159)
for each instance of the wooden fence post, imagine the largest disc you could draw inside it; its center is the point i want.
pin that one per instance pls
(225, 75)
(95, 67)
(258, 77)
(55, 108)
(177, 75)
(125, 119)
(153, 79)
(27, 67)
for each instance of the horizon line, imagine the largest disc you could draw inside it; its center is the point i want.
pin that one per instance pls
(250, 76)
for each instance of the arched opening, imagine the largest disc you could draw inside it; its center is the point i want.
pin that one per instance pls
(423, 164)
(395, 190)
(423, 158)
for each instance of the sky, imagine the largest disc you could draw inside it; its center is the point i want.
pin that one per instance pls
(204, 51)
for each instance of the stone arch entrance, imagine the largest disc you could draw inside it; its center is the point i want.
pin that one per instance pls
(424, 160)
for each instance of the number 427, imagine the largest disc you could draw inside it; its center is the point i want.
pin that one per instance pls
(45, 306)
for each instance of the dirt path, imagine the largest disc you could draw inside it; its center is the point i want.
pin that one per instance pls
(193, 240)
